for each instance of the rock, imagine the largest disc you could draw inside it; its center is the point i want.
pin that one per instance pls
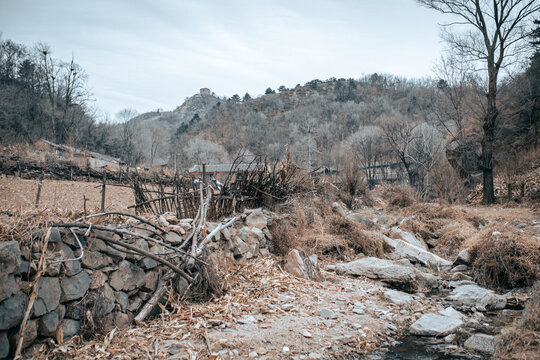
(327, 314)
(450, 338)
(181, 285)
(8, 286)
(453, 313)
(474, 295)
(105, 301)
(459, 268)
(247, 319)
(10, 257)
(48, 323)
(72, 267)
(173, 238)
(403, 249)
(114, 253)
(338, 209)
(95, 260)
(409, 238)
(481, 342)
(12, 310)
(150, 281)
(54, 269)
(358, 218)
(122, 299)
(256, 219)
(48, 295)
(122, 321)
(141, 244)
(128, 277)
(240, 248)
(26, 269)
(305, 333)
(30, 333)
(359, 310)
(397, 297)
(4, 345)
(148, 263)
(314, 356)
(435, 325)
(74, 310)
(98, 279)
(75, 287)
(300, 265)
(464, 257)
(96, 244)
(252, 241)
(70, 328)
(399, 276)
(55, 236)
(460, 276)
(135, 304)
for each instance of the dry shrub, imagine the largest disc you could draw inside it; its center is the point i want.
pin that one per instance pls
(399, 196)
(206, 283)
(284, 237)
(503, 257)
(522, 340)
(355, 236)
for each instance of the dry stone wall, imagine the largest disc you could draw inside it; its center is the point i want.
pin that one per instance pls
(104, 287)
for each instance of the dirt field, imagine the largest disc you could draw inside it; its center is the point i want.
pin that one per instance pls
(18, 195)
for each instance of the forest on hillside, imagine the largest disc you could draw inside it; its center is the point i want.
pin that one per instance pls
(430, 128)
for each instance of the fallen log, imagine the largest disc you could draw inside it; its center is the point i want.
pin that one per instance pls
(158, 294)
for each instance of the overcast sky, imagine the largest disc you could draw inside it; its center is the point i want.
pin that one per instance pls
(153, 54)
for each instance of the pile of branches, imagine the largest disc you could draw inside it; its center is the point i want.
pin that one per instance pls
(264, 185)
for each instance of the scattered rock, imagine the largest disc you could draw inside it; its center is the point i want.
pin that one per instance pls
(55, 236)
(453, 313)
(75, 287)
(48, 296)
(390, 272)
(481, 342)
(105, 301)
(305, 333)
(150, 281)
(397, 297)
(403, 249)
(464, 257)
(10, 256)
(474, 295)
(435, 325)
(173, 238)
(8, 286)
(457, 276)
(327, 314)
(98, 279)
(358, 218)
(459, 268)
(409, 238)
(256, 219)
(247, 319)
(300, 265)
(122, 299)
(12, 310)
(128, 277)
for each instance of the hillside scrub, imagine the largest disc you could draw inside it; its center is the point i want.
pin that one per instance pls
(504, 257)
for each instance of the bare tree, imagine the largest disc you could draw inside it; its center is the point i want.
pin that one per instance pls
(495, 41)
(127, 136)
(157, 139)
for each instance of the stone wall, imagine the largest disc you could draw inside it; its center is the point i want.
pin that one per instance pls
(107, 286)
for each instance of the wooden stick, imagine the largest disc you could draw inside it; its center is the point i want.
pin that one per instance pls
(122, 214)
(143, 252)
(40, 271)
(103, 194)
(158, 294)
(212, 234)
(39, 189)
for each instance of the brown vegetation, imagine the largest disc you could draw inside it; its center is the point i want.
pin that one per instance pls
(504, 257)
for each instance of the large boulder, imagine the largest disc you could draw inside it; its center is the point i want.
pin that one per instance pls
(475, 296)
(481, 342)
(12, 310)
(300, 265)
(402, 249)
(10, 256)
(394, 274)
(408, 237)
(398, 297)
(435, 325)
(464, 257)
(75, 287)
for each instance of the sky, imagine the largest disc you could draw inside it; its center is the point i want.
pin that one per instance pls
(154, 54)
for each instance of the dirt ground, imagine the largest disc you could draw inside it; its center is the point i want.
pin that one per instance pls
(19, 195)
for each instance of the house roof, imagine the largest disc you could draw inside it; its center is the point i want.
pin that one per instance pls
(225, 168)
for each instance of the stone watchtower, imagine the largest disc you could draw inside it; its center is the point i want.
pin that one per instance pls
(205, 91)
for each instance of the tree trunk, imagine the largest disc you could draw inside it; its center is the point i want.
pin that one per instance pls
(488, 143)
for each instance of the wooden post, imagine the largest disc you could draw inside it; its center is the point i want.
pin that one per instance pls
(88, 170)
(71, 173)
(84, 205)
(103, 194)
(204, 173)
(39, 189)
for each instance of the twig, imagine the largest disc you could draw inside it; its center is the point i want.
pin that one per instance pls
(122, 214)
(80, 247)
(143, 252)
(40, 271)
(214, 232)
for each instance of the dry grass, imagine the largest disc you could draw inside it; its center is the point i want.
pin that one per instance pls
(356, 238)
(399, 196)
(453, 235)
(504, 257)
(521, 341)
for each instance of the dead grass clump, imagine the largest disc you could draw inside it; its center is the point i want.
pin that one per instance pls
(206, 285)
(284, 237)
(503, 257)
(355, 236)
(399, 196)
(453, 235)
(522, 340)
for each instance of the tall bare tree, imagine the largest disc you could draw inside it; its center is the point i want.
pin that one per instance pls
(495, 39)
